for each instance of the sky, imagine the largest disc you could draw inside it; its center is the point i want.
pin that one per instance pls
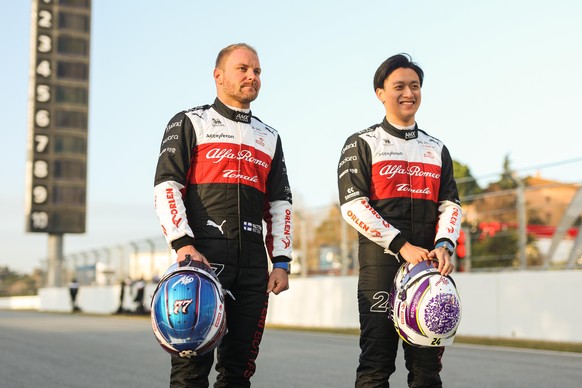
(502, 79)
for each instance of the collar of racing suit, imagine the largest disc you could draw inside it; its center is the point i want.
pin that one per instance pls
(406, 134)
(231, 114)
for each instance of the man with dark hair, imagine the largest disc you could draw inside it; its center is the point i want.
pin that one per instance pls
(396, 188)
(400, 61)
(221, 172)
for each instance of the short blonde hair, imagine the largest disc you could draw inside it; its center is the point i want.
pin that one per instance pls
(225, 52)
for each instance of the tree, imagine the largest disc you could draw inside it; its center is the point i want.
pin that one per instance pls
(13, 284)
(493, 251)
(466, 183)
(328, 234)
(508, 178)
(501, 249)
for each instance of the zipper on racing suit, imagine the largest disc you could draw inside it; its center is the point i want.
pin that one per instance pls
(238, 194)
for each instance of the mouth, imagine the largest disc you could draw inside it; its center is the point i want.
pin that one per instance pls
(407, 103)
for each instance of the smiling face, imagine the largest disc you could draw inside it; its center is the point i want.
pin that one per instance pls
(238, 78)
(401, 96)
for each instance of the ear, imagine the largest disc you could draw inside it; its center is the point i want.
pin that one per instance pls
(380, 95)
(217, 76)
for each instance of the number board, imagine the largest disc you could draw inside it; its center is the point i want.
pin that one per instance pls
(56, 173)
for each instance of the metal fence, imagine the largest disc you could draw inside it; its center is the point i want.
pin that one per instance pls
(532, 226)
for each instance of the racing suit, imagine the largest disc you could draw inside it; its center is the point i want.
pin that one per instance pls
(220, 174)
(395, 186)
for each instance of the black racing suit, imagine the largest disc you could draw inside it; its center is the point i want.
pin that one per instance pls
(220, 174)
(395, 186)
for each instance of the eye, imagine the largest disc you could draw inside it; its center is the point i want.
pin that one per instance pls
(258, 71)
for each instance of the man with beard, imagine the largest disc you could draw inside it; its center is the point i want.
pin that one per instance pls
(221, 172)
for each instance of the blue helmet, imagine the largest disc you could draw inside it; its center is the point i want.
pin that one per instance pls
(187, 310)
(425, 306)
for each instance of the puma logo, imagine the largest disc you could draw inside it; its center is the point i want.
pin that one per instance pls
(219, 227)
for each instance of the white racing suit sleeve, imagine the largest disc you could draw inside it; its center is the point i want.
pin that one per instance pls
(279, 234)
(171, 210)
(449, 222)
(362, 217)
(277, 210)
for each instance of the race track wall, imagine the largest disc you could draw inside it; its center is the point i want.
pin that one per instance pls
(537, 305)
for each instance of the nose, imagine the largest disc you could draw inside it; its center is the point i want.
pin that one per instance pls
(407, 91)
(251, 75)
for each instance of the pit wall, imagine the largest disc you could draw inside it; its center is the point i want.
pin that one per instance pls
(533, 305)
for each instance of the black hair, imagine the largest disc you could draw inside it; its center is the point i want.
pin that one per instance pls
(395, 62)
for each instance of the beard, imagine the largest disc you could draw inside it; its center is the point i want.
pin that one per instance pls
(245, 93)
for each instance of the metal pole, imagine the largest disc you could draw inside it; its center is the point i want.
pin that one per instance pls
(122, 262)
(303, 248)
(134, 270)
(108, 272)
(522, 223)
(344, 245)
(55, 260)
(152, 257)
(468, 250)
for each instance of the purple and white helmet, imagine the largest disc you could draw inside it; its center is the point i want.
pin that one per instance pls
(425, 306)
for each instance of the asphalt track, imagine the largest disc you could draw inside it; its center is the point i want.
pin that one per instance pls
(83, 351)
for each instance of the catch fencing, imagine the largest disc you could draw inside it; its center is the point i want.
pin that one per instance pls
(534, 226)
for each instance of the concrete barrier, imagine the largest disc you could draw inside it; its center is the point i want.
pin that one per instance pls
(325, 302)
(93, 299)
(20, 303)
(536, 305)
(530, 305)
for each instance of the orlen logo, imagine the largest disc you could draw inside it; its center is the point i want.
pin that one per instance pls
(361, 224)
(287, 229)
(453, 222)
(172, 203)
(286, 242)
